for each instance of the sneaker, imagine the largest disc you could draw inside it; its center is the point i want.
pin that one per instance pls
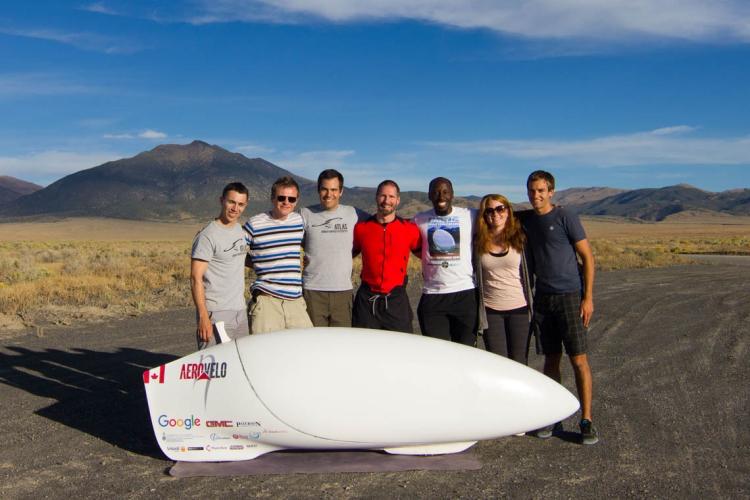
(588, 432)
(547, 432)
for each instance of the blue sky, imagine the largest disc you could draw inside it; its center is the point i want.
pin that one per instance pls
(627, 94)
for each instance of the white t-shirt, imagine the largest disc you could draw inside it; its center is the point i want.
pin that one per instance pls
(446, 250)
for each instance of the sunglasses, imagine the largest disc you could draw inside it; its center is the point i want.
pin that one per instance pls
(498, 210)
(282, 199)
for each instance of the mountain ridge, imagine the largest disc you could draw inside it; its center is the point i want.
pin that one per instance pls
(183, 182)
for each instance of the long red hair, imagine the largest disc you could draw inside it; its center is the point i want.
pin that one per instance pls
(512, 233)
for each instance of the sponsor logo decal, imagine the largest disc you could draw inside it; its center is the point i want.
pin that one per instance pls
(195, 448)
(208, 370)
(219, 423)
(157, 375)
(245, 423)
(218, 437)
(236, 447)
(187, 423)
(250, 436)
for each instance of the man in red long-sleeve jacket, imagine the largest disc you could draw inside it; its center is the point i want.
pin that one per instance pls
(385, 241)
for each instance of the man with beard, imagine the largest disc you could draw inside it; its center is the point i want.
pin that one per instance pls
(385, 242)
(448, 307)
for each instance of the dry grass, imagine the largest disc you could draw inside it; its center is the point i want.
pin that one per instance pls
(619, 244)
(61, 282)
(89, 269)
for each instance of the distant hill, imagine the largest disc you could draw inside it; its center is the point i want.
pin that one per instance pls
(177, 182)
(183, 182)
(657, 204)
(576, 197)
(12, 188)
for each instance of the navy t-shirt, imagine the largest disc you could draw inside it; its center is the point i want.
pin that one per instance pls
(551, 239)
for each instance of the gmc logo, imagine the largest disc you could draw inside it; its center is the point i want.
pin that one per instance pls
(219, 423)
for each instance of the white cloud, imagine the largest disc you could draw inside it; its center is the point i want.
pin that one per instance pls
(254, 150)
(41, 84)
(47, 166)
(146, 134)
(664, 146)
(616, 20)
(118, 136)
(152, 134)
(84, 41)
(310, 163)
(100, 8)
(678, 129)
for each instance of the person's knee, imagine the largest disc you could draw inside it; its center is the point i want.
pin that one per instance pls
(580, 362)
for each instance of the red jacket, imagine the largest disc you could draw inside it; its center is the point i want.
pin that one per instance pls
(385, 251)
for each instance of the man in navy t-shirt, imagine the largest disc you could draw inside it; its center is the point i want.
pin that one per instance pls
(564, 294)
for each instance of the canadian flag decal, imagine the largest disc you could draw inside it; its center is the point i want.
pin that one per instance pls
(156, 377)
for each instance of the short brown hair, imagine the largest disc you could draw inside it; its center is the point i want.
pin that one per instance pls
(388, 182)
(284, 182)
(541, 175)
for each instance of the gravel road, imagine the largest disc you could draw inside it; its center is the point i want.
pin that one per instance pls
(669, 353)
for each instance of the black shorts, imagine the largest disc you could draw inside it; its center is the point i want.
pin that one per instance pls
(449, 316)
(559, 319)
(390, 311)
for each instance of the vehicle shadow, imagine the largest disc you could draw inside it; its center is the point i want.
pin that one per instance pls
(99, 393)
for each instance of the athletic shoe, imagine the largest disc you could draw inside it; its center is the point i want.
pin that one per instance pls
(547, 432)
(588, 432)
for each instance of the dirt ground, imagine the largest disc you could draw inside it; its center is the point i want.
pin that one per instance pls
(669, 351)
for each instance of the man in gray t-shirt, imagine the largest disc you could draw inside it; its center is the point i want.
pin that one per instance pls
(217, 271)
(329, 231)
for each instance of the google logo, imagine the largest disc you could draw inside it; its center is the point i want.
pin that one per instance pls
(187, 423)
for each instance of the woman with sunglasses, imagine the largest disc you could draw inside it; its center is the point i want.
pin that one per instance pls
(503, 279)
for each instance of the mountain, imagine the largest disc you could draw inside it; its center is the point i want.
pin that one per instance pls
(658, 203)
(12, 188)
(576, 197)
(168, 182)
(178, 182)
(183, 182)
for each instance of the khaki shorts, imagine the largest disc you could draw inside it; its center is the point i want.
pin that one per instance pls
(329, 308)
(271, 314)
(235, 324)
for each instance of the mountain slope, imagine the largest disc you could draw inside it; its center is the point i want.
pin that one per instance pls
(12, 188)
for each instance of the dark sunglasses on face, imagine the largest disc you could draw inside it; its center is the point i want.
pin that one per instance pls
(498, 210)
(282, 199)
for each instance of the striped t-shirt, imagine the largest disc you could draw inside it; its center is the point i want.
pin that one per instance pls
(275, 250)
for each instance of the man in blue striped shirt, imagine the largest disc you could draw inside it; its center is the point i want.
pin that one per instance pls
(275, 241)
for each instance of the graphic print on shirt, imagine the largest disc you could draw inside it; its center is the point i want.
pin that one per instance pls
(239, 246)
(332, 225)
(444, 240)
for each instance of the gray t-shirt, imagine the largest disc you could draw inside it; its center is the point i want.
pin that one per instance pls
(551, 239)
(224, 249)
(328, 247)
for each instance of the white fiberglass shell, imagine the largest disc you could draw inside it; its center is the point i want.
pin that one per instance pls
(368, 386)
(339, 388)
